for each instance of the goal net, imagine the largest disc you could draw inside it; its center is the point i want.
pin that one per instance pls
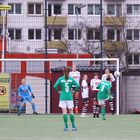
(41, 74)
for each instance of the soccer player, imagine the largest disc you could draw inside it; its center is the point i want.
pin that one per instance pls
(75, 75)
(85, 95)
(104, 76)
(25, 93)
(93, 84)
(66, 98)
(104, 94)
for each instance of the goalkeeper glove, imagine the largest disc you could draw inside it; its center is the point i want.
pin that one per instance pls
(32, 95)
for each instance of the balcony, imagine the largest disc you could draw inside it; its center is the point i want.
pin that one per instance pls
(57, 21)
(114, 21)
(114, 46)
(60, 45)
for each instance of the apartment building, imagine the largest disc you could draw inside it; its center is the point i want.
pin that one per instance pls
(25, 25)
(73, 26)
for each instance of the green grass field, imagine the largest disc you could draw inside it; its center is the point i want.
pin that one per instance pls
(50, 127)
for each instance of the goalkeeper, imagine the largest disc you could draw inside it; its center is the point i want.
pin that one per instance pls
(104, 94)
(66, 98)
(25, 94)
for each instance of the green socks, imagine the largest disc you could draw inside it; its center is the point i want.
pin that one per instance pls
(65, 118)
(103, 112)
(72, 120)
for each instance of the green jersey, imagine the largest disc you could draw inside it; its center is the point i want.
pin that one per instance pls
(66, 86)
(104, 90)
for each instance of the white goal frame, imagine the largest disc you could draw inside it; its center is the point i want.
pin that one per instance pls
(77, 59)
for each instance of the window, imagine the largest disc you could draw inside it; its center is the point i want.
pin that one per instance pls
(34, 8)
(114, 9)
(97, 34)
(57, 9)
(97, 9)
(38, 9)
(54, 9)
(72, 9)
(111, 9)
(72, 34)
(136, 9)
(79, 34)
(18, 34)
(38, 34)
(49, 10)
(129, 34)
(15, 8)
(93, 9)
(130, 59)
(77, 10)
(31, 34)
(133, 9)
(34, 34)
(54, 34)
(93, 34)
(90, 34)
(49, 34)
(15, 34)
(129, 9)
(12, 8)
(118, 10)
(136, 34)
(118, 35)
(90, 9)
(11, 33)
(30, 8)
(110, 34)
(132, 34)
(134, 59)
(57, 33)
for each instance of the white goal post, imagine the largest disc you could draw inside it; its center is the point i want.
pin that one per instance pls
(116, 60)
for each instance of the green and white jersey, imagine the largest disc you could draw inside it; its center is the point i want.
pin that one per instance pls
(104, 89)
(66, 86)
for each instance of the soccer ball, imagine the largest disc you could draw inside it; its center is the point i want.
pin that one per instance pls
(117, 74)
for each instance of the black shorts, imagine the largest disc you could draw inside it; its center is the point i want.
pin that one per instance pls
(85, 100)
(94, 94)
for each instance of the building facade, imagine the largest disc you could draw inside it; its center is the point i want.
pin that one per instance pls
(72, 26)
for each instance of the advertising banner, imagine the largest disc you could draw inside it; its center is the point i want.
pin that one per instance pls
(4, 90)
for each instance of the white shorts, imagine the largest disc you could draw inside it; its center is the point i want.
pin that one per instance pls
(66, 104)
(102, 102)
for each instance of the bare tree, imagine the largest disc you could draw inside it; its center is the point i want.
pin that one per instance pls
(120, 48)
(86, 46)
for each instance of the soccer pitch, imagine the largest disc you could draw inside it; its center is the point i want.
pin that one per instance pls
(50, 127)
